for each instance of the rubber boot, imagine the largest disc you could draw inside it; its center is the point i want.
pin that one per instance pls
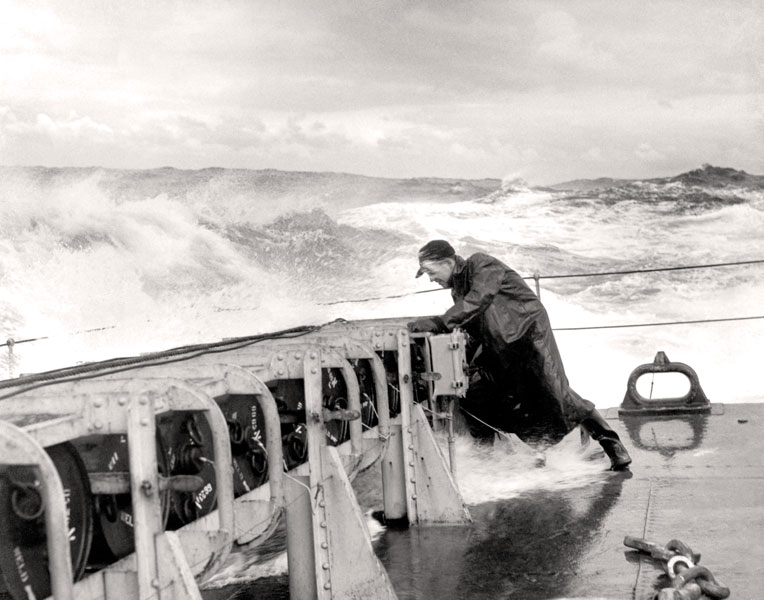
(599, 429)
(616, 451)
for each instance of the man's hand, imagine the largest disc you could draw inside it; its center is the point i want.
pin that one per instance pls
(428, 324)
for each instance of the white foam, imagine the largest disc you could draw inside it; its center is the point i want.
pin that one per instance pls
(510, 467)
(150, 274)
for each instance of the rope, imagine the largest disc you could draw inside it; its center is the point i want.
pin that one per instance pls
(11, 342)
(358, 300)
(502, 434)
(118, 365)
(662, 323)
(384, 438)
(656, 270)
(566, 276)
(438, 415)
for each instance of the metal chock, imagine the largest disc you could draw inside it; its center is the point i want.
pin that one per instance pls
(694, 401)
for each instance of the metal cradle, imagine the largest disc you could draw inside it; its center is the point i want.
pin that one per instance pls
(328, 546)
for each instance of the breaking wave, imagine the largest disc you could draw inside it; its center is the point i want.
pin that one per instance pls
(153, 259)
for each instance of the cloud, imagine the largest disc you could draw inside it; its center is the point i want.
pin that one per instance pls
(562, 40)
(647, 153)
(24, 28)
(73, 126)
(397, 89)
(594, 154)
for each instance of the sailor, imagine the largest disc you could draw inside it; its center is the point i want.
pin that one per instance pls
(517, 383)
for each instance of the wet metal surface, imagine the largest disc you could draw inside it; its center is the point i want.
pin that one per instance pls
(703, 482)
(699, 479)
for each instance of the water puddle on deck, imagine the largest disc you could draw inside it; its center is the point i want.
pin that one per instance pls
(423, 562)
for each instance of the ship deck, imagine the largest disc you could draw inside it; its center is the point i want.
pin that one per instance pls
(696, 478)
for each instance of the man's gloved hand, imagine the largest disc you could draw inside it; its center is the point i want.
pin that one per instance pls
(428, 324)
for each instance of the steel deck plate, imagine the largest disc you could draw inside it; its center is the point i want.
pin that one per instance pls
(698, 478)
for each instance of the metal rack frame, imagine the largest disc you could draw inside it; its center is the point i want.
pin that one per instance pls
(316, 497)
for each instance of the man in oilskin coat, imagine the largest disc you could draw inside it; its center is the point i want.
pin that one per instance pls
(518, 382)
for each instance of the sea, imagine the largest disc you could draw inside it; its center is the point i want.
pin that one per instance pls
(99, 263)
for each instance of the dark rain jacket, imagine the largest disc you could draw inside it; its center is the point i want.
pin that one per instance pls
(497, 309)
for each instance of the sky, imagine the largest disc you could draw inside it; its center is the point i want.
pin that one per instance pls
(541, 90)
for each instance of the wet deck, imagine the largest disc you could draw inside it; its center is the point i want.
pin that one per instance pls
(696, 478)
